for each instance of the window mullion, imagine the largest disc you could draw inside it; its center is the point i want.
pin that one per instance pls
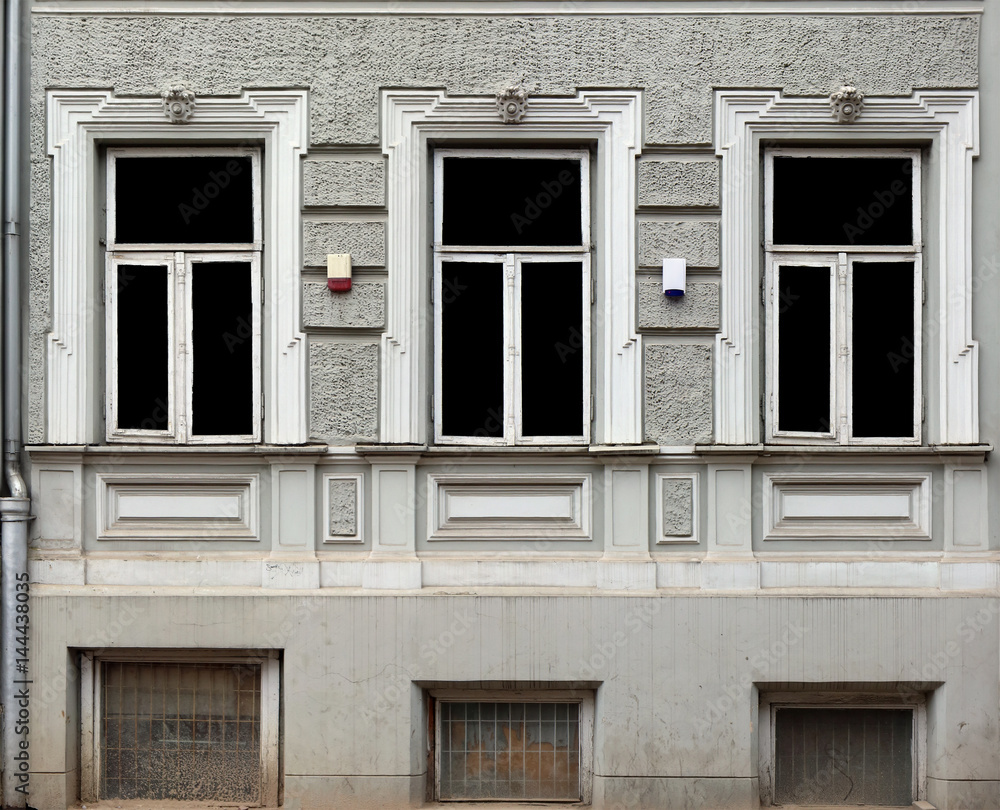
(512, 356)
(842, 410)
(180, 379)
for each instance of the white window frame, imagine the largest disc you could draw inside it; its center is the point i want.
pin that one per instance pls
(771, 702)
(413, 123)
(584, 698)
(78, 124)
(180, 259)
(512, 258)
(840, 263)
(90, 707)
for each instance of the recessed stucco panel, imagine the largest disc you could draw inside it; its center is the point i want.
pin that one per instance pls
(678, 507)
(344, 182)
(678, 183)
(343, 403)
(361, 308)
(698, 308)
(678, 394)
(365, 241)
(698, 242)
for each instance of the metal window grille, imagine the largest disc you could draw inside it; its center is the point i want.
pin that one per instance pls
(180, 731)
(510, 751)
(844, 756)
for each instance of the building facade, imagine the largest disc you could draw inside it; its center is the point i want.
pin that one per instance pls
(502, 520)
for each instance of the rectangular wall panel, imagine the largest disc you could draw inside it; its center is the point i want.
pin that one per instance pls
(831, 506)
(509, 507)
(177, 506)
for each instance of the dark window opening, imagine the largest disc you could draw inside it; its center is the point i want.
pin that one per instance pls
(525, 751)
(180, 731)
(184, 200)
(511, 201)
(552, 348)
(843, 201)
(883, 354)
(804, 349)
(143, 347)
(222, 349)
(843, 757)
(472, 357)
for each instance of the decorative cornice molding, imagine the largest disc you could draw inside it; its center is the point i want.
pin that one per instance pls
(77, 121)
(949, 120)
(411, 119)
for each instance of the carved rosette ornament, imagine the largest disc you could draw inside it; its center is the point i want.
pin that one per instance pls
(847, 104)
(178, 104)
(512, 104)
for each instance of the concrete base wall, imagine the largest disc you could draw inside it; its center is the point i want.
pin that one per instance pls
(678, 679)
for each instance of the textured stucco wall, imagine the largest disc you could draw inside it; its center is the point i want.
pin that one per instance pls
(698, 308)
(678, 393)
(678, 183)
(344, 62)
(343, 402)
(343, 182)
(678, 507)
(361, 308)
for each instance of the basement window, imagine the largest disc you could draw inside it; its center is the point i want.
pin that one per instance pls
(842, 751)
(184, 728)
(512, 296)
(844, 295)
(183, 296)
(513, 746)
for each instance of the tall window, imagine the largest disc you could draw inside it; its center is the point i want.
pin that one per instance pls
(512, 295)
(183, 295)
(843, 295)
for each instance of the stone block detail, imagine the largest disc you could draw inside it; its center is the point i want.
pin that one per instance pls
(678, 394)
(344, 182)
(698, 242)
(698, 308)
(343, 494)
(361, 308)
(365, 241)
(678, 507)
(343, 404)
(679, 182)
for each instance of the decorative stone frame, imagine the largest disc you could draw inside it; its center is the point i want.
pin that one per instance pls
(413, 120)
(946, 120)
(79, 121)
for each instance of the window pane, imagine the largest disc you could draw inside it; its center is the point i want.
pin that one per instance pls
(222, 348)
(552, 349)
(472, 349)
(843, 757)
(883, 350)
(511, 201)
(181, 200)
(843, 201)
(143, 347)
(180, 731)
(510, 751)
(804, 349)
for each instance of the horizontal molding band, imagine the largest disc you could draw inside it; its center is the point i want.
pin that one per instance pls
(906, 577)
(467, 8)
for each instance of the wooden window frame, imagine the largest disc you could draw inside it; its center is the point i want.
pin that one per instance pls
(90, 707)
(180, 258)
(841, 263)
(512, 258)
(915, 700)
(584, 698)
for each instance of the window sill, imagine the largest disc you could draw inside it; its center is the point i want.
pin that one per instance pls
(800, 451)
(110, 453)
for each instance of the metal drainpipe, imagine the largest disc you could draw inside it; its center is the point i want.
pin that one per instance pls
(15, 508)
